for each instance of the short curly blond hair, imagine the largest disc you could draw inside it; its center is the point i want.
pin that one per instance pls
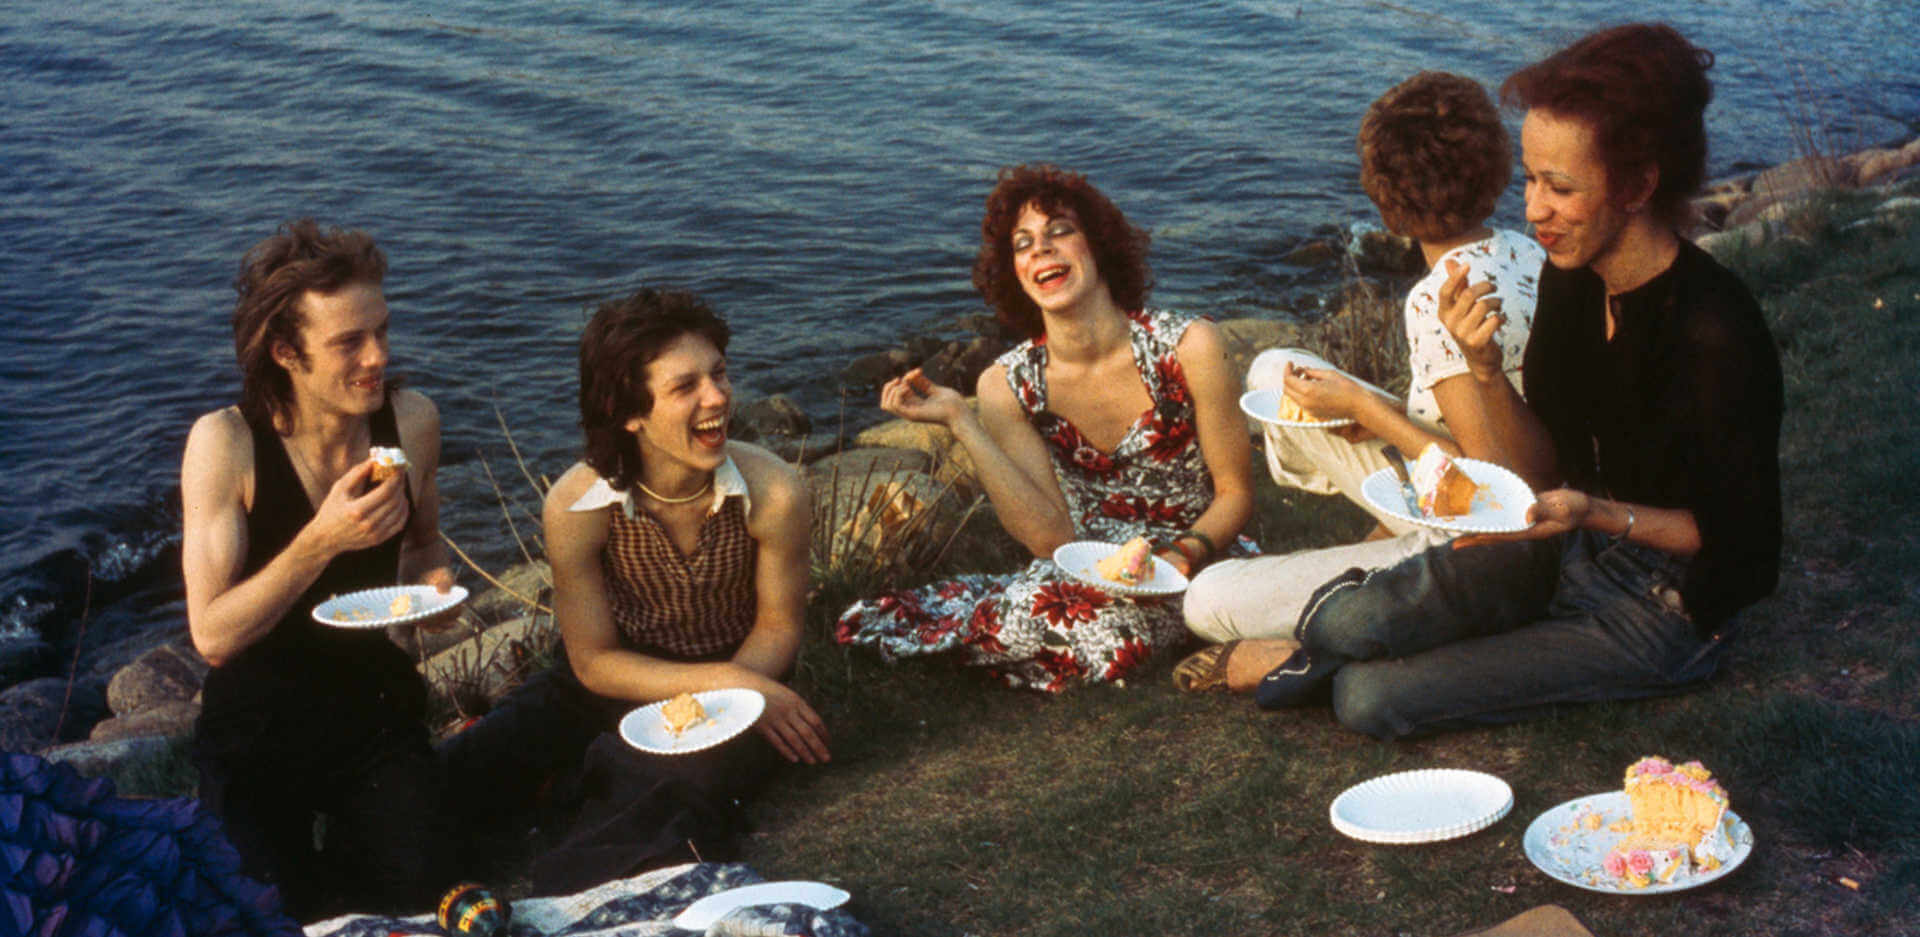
(1434, 156)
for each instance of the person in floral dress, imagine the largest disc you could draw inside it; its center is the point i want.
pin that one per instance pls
(1110, 421)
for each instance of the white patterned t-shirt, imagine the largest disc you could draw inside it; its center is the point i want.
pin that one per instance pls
(1510, 260)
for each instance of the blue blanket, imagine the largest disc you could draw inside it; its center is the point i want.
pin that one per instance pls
(77, 861)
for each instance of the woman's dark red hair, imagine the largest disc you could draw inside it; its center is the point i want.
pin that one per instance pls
(1119, 248)
(1643, 90)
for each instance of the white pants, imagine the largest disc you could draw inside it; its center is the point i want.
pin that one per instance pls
(1317, 460)
(1262, 597)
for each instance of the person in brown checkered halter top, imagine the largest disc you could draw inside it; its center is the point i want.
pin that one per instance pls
(680, 563)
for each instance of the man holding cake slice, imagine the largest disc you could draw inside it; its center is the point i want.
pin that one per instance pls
(282, 509)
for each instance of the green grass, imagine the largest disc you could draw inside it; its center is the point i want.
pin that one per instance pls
(955, 806)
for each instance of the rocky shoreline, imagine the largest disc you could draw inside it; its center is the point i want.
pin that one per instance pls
(877, 493)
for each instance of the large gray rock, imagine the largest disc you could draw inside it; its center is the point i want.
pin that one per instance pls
(769, 417)
(958, 365)
(1385, 252)
(167, 673)
(1246, 338)
(868, 372)
(31, 713)
(950, 460)
(168, 719)
(94, 759)
(520, 587)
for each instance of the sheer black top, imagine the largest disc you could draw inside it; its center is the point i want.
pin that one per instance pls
(1681, 409)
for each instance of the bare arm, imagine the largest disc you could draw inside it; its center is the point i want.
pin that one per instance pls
(225, 614)
(1669, 530)
(1009, 457)
(781, 525)
(1223, 436)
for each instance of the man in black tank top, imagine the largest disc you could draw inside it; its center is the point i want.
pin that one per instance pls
(300, 721)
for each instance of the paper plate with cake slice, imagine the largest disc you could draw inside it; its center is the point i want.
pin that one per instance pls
(692, 722)
(1483, 498)
(1572, 843)
(390, 605)
(1103, 565)
(1424, 806)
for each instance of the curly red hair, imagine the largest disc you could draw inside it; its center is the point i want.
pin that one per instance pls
(1119, 248)
(1643, 90)
(1434, 156)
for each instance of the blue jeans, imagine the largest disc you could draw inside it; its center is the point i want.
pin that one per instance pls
(1497, 633)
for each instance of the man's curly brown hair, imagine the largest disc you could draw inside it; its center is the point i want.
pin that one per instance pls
(1434, 156)
(1119, 248)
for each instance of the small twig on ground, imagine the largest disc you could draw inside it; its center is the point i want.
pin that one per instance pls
(73, 668)
(530, 602)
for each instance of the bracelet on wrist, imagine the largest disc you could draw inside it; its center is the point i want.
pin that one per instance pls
(1628, 530)
(1193, 562)
(1206, 542)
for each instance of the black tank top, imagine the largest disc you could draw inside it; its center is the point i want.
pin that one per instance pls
(306, 683)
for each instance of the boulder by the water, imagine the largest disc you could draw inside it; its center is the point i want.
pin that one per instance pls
(46, 710)
(165, 674)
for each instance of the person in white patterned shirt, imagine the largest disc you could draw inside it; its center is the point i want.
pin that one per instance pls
(1434, 158)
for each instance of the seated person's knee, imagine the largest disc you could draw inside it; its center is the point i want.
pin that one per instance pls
(1366, 704)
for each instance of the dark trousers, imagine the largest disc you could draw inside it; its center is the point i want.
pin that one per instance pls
(377, 802)
(552, 746)
(1495, 633)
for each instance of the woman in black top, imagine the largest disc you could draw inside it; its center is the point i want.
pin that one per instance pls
(1654, 395)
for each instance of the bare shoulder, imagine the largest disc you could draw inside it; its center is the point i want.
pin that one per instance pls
(992, 382)
(577, 479)
(219, 445)
(1202, 338)
(415, 414)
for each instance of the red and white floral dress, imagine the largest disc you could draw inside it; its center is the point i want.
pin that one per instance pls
(1041, 628)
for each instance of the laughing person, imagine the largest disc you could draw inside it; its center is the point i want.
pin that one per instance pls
(1658, 398)
(679, 565)
(1112, 420)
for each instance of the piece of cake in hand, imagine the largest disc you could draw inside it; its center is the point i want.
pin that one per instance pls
(388, 461)
(1444, 490)
(1130, 565)
(681, 713)
(1291, 410)
(1675, 824)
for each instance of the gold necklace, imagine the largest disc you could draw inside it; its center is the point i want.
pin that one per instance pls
(663, 499)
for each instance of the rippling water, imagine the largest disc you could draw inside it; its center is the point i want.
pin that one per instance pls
(816, 172)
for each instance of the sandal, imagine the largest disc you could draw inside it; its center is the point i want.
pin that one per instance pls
(1205, 670)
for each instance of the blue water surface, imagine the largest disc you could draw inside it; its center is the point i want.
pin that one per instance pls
(815, 170)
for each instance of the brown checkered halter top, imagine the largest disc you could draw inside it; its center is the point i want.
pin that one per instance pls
(681, 607)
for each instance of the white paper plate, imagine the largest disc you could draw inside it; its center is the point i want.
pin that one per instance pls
(1561, 846)
(1264, 405)
(1499, 507)
(704, 913)
(1424, 806)
(1080, 559)
(729, 713)
(373, 608)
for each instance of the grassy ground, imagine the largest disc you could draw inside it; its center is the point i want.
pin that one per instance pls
(954, 806)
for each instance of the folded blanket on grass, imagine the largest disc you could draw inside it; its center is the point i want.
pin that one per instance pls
(77, 860)
(642, 906)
